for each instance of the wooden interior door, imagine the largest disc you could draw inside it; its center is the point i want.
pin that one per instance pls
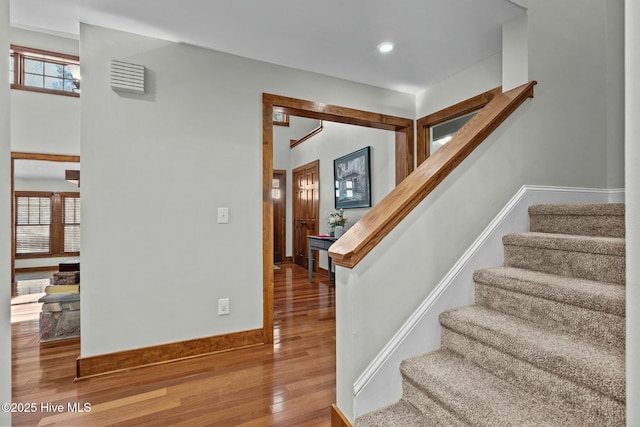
(306, 209)
(279, 197)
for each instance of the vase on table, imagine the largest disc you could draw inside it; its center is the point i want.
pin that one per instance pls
(338, 231)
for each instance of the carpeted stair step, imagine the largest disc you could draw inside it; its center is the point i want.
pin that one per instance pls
(437, 414)
(399, 414)
(589, 309)
(601, 409)
(584, 257)
(590, 366)
(479, 398)
(605, 220)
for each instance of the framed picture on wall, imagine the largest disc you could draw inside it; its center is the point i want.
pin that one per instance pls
(352, 178)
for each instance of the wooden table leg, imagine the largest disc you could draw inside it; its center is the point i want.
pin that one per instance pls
(310, 263)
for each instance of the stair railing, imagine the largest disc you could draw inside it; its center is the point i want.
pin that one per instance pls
(365, 234)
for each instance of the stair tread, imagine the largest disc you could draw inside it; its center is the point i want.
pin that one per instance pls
(401, 414)
(568, 242)
(600, 209)
(606, 297)
(478, 396)
(594, 366)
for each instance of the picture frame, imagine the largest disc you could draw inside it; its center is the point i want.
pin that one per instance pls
(352, 180)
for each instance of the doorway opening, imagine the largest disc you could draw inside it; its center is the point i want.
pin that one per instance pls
(404, 164)
(279, 196)
(45, 225)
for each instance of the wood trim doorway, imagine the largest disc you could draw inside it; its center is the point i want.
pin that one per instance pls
(402, 127)
(28, 156)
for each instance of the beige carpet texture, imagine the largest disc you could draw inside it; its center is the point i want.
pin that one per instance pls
(544, 343)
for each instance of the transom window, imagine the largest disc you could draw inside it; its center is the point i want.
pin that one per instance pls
(442, 133)
(44, 71)
(436, 129)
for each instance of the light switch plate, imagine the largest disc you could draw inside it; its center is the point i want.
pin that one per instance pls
(223, 215)
(223, 306)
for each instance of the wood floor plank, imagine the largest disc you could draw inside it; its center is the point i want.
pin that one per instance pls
(289, 383)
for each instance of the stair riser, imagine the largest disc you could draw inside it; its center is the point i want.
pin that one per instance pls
(426, 405)
(546, 385)
(584, 225)
(596, 326)
(590, 266)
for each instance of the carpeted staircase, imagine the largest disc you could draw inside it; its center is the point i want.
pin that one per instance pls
(544, 343)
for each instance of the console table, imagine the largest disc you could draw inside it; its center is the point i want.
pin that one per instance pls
(321, 243)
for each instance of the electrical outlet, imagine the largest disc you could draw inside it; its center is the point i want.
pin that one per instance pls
(223, 306)
(223, 215)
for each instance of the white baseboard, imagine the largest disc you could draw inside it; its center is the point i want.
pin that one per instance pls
(379, 384)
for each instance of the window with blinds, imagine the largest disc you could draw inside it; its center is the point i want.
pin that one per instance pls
(33, 225)
(47, 224)
(72, 224)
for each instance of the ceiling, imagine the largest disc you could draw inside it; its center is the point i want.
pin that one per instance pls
(433, 39)
(39, 169)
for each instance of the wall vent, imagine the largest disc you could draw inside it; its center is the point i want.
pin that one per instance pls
(126, 76)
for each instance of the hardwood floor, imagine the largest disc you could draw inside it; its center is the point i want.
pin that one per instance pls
(291, 383)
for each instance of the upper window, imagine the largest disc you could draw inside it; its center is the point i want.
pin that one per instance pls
(436, 129)
(44, 71)
(442, 133)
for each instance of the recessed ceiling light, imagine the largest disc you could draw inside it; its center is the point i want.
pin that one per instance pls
(385, 47)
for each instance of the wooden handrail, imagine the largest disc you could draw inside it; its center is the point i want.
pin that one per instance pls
(360, 239)
(314, 132)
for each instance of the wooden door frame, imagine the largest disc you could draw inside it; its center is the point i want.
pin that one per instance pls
(402, 127)
(28, 156)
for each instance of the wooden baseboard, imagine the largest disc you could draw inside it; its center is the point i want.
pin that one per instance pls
(36, 269)
(108, 363)
(60, 342)
(337, 417)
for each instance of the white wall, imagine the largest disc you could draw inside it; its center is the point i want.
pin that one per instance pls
(174, 155)
(40, 122)
(615, 92)
(5, 220)
(476, 79)
(558, 138)
(632, 175)
(515, 52)
(337, 140)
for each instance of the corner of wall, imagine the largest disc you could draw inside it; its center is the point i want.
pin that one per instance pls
(632, 176)
(515, 52)
(5, 213)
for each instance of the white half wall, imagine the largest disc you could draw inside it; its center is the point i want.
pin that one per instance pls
(5, 220)
(156, 167)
